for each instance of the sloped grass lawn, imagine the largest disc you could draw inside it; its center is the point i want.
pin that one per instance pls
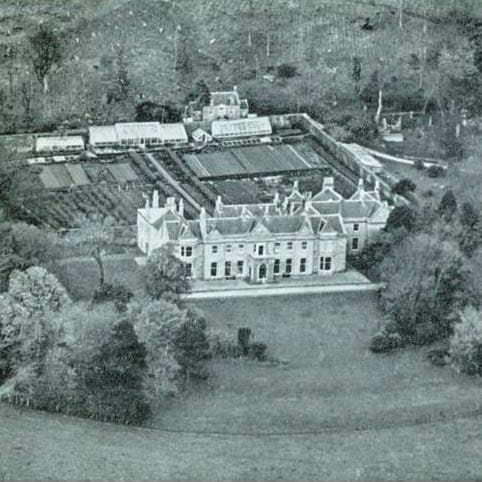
(331, 388)
(330, 380)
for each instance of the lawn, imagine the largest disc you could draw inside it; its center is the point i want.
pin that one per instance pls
(334, 411)
(330, 378)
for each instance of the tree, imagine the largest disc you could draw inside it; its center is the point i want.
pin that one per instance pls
(122, 74)
(45, 53)
(96, 233)
(425, 284)
(402, 217)
(27, 319)
(466, 343)
(356, 73)
(471, 229)
(448, 205)
(164, 273)
(404, 186)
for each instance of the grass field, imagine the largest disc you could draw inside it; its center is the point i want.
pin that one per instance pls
(333, 412)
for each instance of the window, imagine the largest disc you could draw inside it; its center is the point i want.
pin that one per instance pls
(288, 266)
(289, 246)
(304, 244)
(240, 267)
(277, 247)
(227, 268)
(188, 270)
(214, 269)
(214, 249)
(276, 268)
(228, 248)
(325, 263)
(302, 265)
(354, 244)
(254, 248)
(241, 247)
(186, 251)
(261, 250)
(356, 227)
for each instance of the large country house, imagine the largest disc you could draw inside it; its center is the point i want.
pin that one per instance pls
(298, 235)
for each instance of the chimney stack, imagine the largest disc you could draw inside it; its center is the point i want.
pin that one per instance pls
(361, 184)
(295, 185)
(171, 204)
(202, 222)
(377, 186)
(181, 207)
(219, 204)
(155, 199)
(328, 183)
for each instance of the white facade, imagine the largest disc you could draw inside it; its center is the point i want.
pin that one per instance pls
(294, 237)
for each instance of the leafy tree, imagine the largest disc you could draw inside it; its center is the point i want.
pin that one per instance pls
(448, 205)
(402, 217)
(466, 343)
(471, 229)
(287, 71)
(164, 273)
(356, 73)
(45, 53)
(97, 234)
(404, 186)
(425, 283)
(27, 319)
(149, 111)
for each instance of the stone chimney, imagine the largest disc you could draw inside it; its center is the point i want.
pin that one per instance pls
(276, 198)
(377, 186)
(328, 183)
(181, 207)
(219, 204)
(361, 184)
(155, 199)
(171, 204)
(202, 222)
(295, 185)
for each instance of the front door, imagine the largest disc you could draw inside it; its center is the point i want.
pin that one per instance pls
(262, 271)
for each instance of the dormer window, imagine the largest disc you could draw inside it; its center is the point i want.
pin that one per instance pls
(214, 249)
(356, 227)
(228, 248)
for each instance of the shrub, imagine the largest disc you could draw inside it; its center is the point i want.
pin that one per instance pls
(466, 343)
(244, 335)
(424, 333)
(287, 71)
(435, 171)
(116, 292)
(384, 342)
(222, 347)
(438, 356)
(257, 350)
(404, 186)
(419, 164)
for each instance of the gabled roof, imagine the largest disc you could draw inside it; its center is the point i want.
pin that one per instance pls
(327, 194)
(225, 98)
(358, 209)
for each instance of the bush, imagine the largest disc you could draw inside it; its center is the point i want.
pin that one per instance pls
(404, 186)
(438, 356)
(287, 71)
(222, 347)
(244, 335)
(116, 292)
(466, 343)
(435, 171)
(257, 350)
(425, 333)
(384, 342)
(419, 164)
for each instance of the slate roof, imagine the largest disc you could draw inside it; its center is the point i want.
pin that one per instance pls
(225, 98)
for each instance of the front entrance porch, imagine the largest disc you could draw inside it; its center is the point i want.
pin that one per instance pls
(260, 269)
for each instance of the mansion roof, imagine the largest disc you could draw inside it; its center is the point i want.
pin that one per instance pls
(297, 214)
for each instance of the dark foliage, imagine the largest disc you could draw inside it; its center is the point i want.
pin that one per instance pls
(402, 217)
(257, 350)
(435, 171)
(149, 111)
(404, 186)
(244, 336)
(448, 205)
(114, 377)
(384, 342)
(287, 71)
(116, 292)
